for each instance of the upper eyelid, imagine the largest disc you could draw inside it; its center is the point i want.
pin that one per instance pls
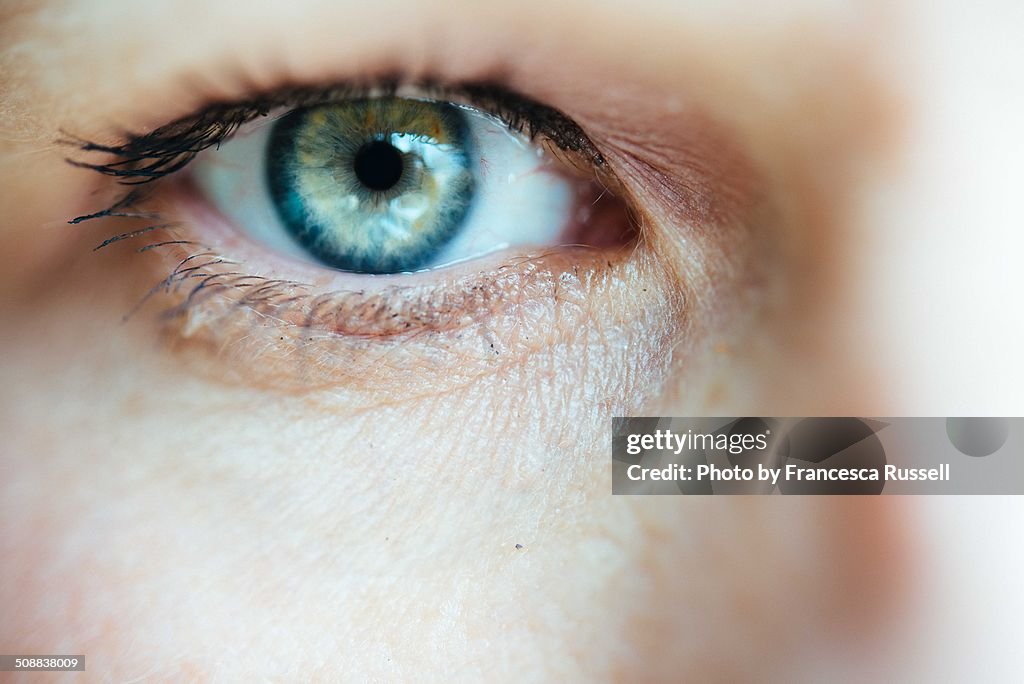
(143, 158)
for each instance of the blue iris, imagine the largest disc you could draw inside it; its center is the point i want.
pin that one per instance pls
(372, 186)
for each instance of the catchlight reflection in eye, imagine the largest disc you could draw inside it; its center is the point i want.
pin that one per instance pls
(389, 185)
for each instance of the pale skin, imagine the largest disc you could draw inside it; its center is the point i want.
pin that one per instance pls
(808, 179)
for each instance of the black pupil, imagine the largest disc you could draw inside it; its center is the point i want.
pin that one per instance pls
(378, 165)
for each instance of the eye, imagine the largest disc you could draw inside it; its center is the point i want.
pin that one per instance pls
(311, 229)
(393, 184)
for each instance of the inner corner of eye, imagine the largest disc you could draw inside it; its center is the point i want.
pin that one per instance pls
(391, 185)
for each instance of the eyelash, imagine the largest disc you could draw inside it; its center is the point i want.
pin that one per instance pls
(150, 156)
(397, 313)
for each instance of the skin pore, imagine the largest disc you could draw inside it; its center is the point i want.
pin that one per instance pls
(190, 498)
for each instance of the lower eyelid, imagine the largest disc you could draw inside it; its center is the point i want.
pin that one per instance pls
(420, 331)
(424, 339)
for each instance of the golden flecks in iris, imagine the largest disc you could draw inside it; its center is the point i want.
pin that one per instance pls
(431, 189)
(317, 117)
(382, 116)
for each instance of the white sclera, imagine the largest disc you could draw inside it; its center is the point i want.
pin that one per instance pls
(520, 198)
